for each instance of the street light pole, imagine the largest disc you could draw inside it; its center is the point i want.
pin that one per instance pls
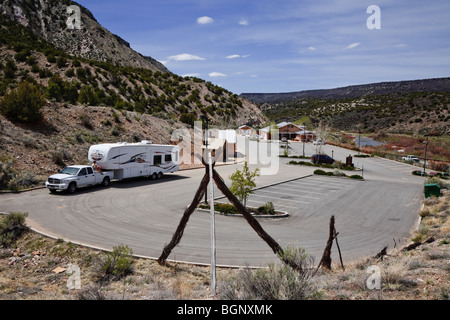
(213, 228)
(425, 160)
(205, 156)
(304, 137)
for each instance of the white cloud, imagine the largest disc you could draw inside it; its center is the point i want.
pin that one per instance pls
(312, 48)
(185, 57)
(205, 20)
(353, 45)
(243, 22)
(217, 74)
(234, 56)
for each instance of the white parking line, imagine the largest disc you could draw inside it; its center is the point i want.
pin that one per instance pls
(279, 199)
(290, 194)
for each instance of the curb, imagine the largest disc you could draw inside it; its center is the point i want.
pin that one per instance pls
(283, 214)
(21, 191)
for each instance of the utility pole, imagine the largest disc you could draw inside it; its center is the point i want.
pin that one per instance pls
(359, 140)
(304, 137)
(425, 160)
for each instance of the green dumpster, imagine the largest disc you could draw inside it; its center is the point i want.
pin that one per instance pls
(432, 189)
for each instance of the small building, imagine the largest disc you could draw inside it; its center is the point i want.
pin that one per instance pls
(246, 130)
(305, 136)
(286, 130)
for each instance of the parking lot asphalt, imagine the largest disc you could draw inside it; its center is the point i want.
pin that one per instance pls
(379, 211)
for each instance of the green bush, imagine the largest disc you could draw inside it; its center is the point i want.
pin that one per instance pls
(225, 208)
(443, 184)
(23, 104)
(322, 172)
(12, 226)
(356, 176)
(116, 264)
(268, 208)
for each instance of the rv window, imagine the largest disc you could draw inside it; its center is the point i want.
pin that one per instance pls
(168, 158)
(157, 160)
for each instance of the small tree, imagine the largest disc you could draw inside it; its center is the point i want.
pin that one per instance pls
(23, 104)
(116, 264)
(242, 183)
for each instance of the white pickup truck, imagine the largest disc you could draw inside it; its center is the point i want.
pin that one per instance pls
(73, 177)
(410, 158)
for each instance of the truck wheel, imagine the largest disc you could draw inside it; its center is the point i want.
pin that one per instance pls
(105, 182)
(72, 187)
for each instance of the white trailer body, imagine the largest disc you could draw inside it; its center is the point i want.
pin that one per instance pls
(131, 160)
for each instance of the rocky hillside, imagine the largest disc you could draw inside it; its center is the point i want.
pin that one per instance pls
(48, 20)
(420, 106)
(56, 100)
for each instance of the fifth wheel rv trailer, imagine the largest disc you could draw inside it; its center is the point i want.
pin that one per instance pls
(131, 160)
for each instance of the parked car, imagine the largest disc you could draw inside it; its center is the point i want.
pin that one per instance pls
(318, 142)
(73, 177)
(321, 158)
(410, 158)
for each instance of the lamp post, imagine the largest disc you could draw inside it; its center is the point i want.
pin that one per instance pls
(205, 156)
(359, 140)
(425, 160)
(304, 137)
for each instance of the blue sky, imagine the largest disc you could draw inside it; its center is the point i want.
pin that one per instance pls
(286, 45)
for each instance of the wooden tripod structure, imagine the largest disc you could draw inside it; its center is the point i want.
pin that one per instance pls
(245, 213)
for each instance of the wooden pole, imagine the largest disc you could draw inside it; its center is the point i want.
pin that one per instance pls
(326, 257)
(184, 219)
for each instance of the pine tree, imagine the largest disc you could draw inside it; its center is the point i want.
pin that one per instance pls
(23, 104)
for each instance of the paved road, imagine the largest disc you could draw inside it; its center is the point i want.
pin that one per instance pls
(143, 214)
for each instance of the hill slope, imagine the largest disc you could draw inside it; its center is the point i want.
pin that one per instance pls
(420, 106)
(381, 88)
(86, 98)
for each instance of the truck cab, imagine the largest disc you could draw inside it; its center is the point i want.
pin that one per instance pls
(78, 176)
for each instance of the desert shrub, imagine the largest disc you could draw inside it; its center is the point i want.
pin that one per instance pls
(439, 166)
(225, 208)
(91, 293)
(441, 183)
(277, 282)
(12, 226)
(268, 208)
(356, 176)
(25, 179)
(7, 174)
(116, 264)
(23, 104)
(322, 172)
